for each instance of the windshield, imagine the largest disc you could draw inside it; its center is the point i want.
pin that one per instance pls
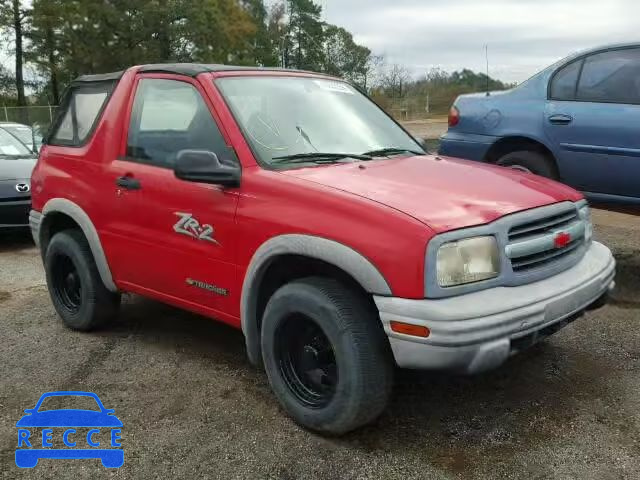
(21, 132)
(11, 146)
(286, 116)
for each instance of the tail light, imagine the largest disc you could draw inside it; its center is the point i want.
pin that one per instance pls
(454, 116)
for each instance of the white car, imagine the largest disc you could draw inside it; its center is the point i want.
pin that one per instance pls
(24, 133)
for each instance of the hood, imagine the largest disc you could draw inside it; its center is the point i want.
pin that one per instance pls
(444, 193)
(16, 168)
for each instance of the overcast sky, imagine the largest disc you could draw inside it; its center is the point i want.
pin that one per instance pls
(523, 35)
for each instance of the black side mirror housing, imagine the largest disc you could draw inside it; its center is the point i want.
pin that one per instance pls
(204, 166)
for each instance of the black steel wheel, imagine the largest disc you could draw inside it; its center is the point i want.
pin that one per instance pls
(307, 361)
(66, 285)
(326, 355)
(75, 286)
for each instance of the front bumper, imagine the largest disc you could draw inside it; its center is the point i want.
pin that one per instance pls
(479, 331)
(15, 213)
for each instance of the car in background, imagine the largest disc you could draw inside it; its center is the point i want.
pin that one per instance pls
(16, 164)
(31, 137)
(577, 121)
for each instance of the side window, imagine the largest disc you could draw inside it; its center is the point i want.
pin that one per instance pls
(79, 114)
(611, 77)
(563, 84)
(169, 116)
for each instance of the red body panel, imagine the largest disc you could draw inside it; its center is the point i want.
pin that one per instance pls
(387, 210)
(444, 193)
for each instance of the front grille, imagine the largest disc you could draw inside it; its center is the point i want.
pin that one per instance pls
(14, 214)
(545, 225)
(14, 199)
(532, 245)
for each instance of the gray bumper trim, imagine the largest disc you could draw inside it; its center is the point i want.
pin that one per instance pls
(35, 218)
(473, 332)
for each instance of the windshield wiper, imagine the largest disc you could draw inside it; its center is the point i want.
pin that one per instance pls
(318, 157)
(383, 152)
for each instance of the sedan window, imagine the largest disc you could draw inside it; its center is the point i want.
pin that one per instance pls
(611, 77)
(563, 84)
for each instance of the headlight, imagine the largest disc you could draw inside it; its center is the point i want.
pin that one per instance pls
(585, 214)
(467, 261)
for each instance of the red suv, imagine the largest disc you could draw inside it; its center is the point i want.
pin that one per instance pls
(289, 205)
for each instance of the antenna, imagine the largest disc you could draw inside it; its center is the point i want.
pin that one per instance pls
(486, 55)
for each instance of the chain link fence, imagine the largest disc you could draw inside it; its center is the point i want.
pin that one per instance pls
(39, 116)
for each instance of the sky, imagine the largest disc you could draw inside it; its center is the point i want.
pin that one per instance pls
(523, 36)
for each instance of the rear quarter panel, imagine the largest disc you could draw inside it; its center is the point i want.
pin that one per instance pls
(513, 113)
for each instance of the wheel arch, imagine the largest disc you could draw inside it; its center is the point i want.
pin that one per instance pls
(287, 257)
(514, 143)
(59, 214)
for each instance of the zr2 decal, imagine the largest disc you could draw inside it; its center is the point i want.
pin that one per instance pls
(187, 225)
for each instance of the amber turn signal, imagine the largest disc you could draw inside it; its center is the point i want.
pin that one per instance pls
(408, 329)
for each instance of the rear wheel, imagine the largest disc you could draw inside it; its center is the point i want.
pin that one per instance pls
(75, 286)
(530, 162)
(326, 355)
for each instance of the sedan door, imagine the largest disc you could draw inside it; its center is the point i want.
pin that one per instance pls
(593, 117)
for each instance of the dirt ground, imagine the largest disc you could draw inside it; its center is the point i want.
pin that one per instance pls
(430, 129)
(192, 407)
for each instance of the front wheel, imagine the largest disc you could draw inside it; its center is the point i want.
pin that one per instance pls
(326, 355)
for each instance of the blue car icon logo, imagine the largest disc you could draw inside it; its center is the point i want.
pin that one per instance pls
(69, 433)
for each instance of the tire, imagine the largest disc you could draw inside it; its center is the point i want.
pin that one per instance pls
(75, 286)
(531, 161)
(356, 389)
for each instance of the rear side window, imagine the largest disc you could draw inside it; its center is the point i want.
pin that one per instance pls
(563, 84)
(79, 114)
(611, 77)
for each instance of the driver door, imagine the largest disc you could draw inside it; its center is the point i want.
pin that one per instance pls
(181, 234)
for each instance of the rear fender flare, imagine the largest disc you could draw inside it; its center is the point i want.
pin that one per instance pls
(74, 211)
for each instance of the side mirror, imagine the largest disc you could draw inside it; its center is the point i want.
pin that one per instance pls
(204, 166)
(29, 410)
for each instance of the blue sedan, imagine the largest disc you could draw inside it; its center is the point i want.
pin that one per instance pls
(577, 121)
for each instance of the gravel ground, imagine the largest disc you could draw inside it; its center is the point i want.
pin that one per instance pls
(193, 407)
(430, 129)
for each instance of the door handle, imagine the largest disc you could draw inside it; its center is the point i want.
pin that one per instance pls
(560, 119)
(128, 183)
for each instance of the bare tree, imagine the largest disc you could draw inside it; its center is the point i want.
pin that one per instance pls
(394, 80)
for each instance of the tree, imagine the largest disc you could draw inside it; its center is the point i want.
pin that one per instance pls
(263, 46)
(343, 57)
(14, 17)
(304, 37)
(44, 38)
(395, 79)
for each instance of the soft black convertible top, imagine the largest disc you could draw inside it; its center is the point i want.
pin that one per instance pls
(188, 69)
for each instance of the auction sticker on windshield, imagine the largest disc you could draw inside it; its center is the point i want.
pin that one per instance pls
(69, 425)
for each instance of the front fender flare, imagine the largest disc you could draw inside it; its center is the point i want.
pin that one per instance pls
(330, 251)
